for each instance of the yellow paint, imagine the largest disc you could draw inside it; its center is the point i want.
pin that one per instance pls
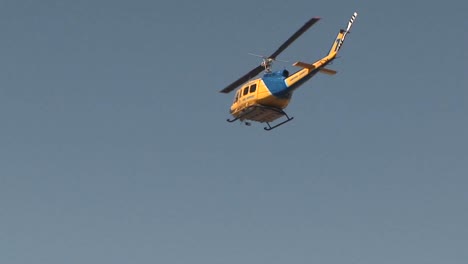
(320, 64)
(262, 96)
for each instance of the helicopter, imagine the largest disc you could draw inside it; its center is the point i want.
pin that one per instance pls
(264, 99)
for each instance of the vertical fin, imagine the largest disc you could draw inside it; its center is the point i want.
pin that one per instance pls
(309, 69)
(341, 36)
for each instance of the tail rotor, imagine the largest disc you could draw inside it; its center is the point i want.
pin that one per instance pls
(350, 23)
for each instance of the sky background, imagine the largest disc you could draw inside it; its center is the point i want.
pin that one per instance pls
(114, 146)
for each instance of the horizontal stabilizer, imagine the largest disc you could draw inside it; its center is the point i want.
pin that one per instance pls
(304, 65)
(328, 71)
(312, 67)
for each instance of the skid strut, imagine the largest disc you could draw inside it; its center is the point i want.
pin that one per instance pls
(232, 120)
(277, 125)
(239, 117)
(246, 115)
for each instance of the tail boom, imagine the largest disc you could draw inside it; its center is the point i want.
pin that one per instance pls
(310, 70)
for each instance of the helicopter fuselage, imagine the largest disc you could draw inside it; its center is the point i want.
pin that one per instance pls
(263, 99)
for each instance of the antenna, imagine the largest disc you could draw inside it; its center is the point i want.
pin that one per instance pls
(267, 62)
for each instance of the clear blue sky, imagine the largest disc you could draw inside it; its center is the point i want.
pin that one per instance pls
(114, 146)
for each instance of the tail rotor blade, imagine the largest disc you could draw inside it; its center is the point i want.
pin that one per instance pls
(351, 21)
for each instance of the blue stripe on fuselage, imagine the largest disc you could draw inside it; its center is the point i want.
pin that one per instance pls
(276, 84)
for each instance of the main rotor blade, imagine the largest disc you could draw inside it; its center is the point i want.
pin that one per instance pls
(260, 68)
(298, 33)
(243, 79)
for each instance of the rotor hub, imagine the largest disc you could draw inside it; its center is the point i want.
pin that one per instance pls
(266, 63)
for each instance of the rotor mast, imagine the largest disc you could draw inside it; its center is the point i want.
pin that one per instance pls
(267, 61)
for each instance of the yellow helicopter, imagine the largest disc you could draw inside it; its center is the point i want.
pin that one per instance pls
(263, 99)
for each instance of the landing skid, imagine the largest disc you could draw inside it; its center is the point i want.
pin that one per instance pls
(239, 117)
(233, 120)
(277, 125)
(271, 113)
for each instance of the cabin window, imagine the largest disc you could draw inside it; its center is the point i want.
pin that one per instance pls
(246, 90)
(253, 87)
(237, 97)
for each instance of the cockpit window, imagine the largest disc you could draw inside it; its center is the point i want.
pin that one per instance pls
(253, 87)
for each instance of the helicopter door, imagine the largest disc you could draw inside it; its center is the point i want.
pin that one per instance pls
(253, 93)
(253, 89)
